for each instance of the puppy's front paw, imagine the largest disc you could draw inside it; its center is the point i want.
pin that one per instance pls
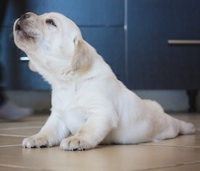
(75, 143)
(36, 142)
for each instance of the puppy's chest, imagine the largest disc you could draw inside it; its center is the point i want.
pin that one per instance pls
(66, 98)
(69, 105)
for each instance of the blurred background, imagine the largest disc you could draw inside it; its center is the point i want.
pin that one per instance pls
(153, 47)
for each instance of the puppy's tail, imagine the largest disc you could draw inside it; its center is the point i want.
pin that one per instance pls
(186, 128)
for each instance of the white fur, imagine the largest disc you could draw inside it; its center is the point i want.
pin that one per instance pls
(89, 105)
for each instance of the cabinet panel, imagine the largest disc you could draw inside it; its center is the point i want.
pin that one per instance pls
(152, 62)
(105, 40)
(109, 43)
(83, 12)
(101, 23)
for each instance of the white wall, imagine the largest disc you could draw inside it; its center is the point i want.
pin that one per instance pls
(39, 100)
(171, 100)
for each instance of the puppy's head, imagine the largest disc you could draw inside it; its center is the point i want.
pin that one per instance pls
(52, 37)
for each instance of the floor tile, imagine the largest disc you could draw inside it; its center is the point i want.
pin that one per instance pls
(8, 141)
(20, 132)
(13, 168)
(181, 153)
(185, 167)
(116, 157)
(28, 122)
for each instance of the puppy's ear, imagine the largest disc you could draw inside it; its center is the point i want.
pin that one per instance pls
(82, 59)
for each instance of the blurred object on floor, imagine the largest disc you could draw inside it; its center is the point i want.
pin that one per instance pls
(10, 111)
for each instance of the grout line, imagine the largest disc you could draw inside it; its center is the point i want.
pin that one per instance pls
(33, 127)
(16, 145)
(163, 145)
(10, 135)
(22, 167)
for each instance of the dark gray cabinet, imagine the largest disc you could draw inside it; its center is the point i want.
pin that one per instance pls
(140, 56)
(101, 23)
(154, 63)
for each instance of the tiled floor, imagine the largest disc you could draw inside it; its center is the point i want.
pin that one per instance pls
(180, 154)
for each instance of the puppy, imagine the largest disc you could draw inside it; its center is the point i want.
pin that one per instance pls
(89, 105)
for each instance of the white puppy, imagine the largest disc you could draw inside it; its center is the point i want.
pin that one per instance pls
(89, 105)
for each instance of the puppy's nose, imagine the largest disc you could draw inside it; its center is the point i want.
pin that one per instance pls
(25, 16)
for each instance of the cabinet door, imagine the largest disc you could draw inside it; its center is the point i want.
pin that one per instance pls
(152, 62)
(82, 12)
(101, 23)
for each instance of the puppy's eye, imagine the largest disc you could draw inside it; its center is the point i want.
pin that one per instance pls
(51, 22)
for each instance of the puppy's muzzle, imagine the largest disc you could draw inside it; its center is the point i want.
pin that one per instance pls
(24, 26)
(20, 21)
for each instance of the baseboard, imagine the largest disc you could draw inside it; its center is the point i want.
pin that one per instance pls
(170, 100)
